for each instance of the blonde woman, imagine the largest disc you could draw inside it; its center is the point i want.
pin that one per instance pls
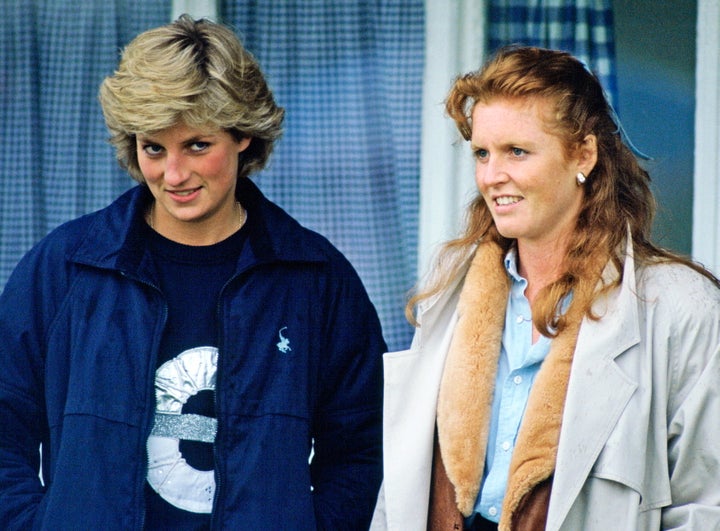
(189, 357)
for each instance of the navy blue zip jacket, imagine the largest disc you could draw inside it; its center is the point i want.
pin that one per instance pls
(78, 318)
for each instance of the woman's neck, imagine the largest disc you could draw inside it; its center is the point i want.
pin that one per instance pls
(540, 266)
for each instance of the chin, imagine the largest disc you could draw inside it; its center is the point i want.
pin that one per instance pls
(509, 233)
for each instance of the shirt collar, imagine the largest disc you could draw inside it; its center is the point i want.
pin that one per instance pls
(518, 283)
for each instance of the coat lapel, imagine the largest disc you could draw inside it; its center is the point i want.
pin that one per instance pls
(598, 390)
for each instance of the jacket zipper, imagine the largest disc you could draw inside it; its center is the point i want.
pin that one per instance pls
(216, 400)
(221, 351)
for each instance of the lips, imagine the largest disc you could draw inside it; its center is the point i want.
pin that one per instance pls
(185, 195)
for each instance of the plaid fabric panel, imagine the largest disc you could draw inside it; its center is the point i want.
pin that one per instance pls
(57, 163)
(349, 74)
(581, 27)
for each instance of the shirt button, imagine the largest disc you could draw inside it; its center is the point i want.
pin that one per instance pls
(492, 511)
(519, 319)
(506, 446)
(517, 380)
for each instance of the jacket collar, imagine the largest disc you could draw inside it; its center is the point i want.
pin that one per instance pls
(113, 238)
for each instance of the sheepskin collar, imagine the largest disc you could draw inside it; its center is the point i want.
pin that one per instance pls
(468, 381)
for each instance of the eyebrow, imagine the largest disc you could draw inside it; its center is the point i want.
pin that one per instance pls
(522, 144)
(191, 140)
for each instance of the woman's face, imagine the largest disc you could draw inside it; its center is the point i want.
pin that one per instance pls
(192, 174)
(523, 171)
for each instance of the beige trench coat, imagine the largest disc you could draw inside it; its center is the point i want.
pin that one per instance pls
(640, 441)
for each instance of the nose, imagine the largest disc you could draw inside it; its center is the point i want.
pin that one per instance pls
(490, 172)
(176, 170)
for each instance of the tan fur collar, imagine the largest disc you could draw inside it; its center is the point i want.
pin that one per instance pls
(468, 381)
(466, 387)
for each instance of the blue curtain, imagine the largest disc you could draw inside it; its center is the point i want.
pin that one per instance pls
(348, 72)
(581, 27)
(56, 163)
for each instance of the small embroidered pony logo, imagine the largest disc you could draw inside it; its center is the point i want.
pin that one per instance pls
(284, 343)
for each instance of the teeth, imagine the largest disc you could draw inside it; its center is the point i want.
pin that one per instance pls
(507, 200)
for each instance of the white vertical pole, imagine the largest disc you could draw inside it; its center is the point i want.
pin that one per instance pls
(706, 232)
(195, 8)
(454, 37)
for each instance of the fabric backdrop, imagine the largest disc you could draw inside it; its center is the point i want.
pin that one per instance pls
(57, 163)
(581, 27)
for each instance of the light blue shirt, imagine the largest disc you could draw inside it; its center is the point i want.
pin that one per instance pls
(518, 366)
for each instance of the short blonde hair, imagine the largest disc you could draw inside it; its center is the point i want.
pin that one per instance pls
(192, 72)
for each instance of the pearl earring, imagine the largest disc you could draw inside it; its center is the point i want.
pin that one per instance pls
(580, 178)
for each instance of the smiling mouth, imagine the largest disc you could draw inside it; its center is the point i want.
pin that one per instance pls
(507, 200)
(184, 193)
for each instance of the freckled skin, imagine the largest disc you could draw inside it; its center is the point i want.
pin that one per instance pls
(516, 157)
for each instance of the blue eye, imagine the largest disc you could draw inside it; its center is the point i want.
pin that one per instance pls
(199, 146)
(152, 149)
(518, 152)
(481, 153)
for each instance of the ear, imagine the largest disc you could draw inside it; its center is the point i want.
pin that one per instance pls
(243, 144)
(587, 154)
